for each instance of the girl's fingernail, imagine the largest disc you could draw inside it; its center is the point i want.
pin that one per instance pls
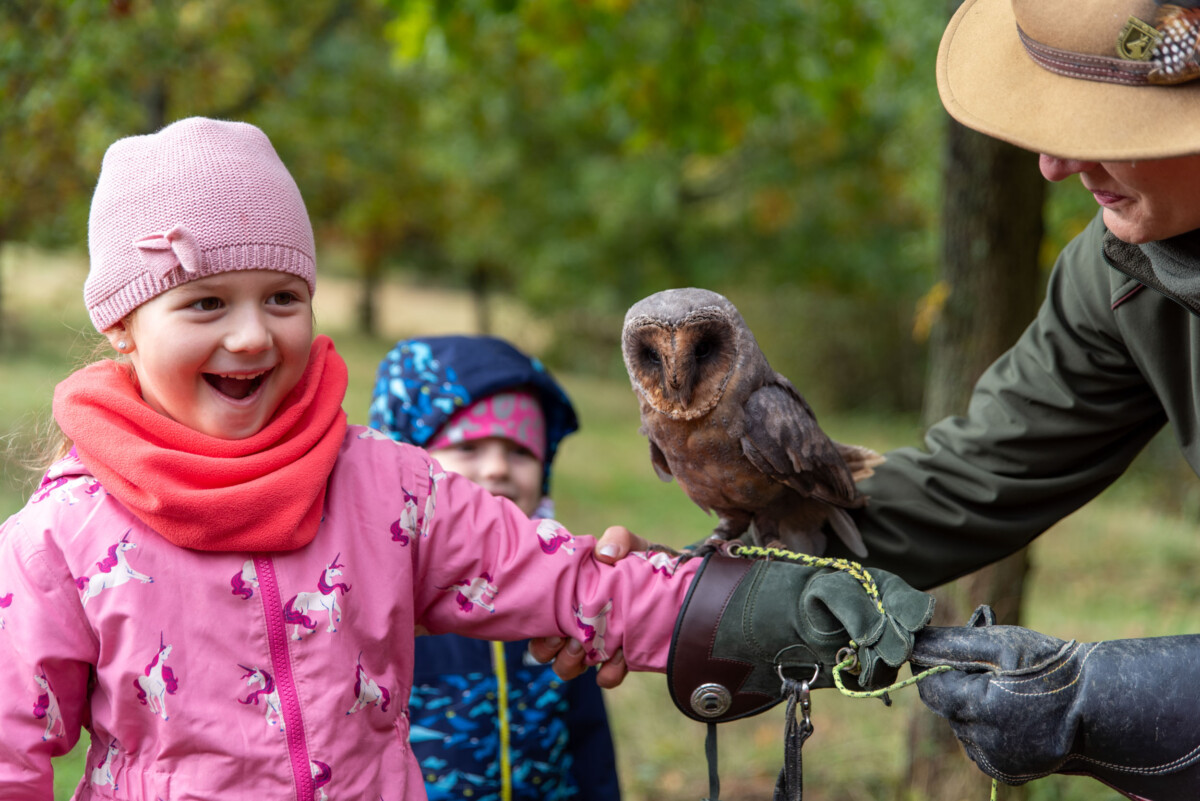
(608, 550)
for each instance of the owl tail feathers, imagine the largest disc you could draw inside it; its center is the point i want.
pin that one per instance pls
(861, 460)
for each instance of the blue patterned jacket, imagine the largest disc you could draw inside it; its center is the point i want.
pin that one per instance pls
(558, 738)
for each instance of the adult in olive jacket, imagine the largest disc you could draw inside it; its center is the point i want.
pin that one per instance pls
(1108, 90)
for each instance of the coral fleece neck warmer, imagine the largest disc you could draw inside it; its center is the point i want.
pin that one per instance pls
(262, 493)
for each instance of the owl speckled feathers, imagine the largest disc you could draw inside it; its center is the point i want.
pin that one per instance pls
(735, 434)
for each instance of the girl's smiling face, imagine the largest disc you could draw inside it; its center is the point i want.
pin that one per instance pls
(219, 354)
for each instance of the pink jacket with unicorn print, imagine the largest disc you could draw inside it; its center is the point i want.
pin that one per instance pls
(282, 675)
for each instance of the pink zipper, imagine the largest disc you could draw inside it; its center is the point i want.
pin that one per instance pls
(285, 684)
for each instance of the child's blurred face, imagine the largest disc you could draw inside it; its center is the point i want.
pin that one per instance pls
(500, 466)
(219, 354)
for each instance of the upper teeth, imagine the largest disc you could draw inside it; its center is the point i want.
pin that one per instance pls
(242, 377)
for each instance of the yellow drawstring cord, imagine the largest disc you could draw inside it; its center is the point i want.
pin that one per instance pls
(502, 720)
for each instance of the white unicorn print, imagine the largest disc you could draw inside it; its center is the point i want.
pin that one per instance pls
(405, 526)
(157, 682)
(296, 611)
(367, 691)
(321, 774)
(112, 571)
(47, 707)
(431, 500)
(593, 628)
(60, 488)
(102, 775)
(660, 561)
(267, 693)
(554, 537)
(246, 582)
(479, 591)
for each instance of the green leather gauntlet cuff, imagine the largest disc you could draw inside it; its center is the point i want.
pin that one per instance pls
(746, 624)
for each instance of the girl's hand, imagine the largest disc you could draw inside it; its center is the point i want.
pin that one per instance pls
(567, 655)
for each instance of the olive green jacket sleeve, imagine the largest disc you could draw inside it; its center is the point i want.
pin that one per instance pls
(1055, 420)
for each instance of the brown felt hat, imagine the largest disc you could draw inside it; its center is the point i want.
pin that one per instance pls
(1079, 79)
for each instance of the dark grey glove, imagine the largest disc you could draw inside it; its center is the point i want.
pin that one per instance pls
(745, 623)
(1025, 705)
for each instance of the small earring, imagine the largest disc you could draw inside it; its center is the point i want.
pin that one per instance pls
(121, 346)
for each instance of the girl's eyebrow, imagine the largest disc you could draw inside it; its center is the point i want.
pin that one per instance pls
(221, 282)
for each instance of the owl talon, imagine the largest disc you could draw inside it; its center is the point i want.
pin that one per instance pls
(712, 544)
(655, 547)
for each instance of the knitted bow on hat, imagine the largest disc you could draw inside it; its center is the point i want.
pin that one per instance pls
(163, 252)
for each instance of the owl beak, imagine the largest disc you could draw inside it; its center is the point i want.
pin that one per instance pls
(680, 392)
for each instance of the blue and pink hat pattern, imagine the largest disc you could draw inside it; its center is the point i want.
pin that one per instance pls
(421, 383)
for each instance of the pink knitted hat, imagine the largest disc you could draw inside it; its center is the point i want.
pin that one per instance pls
(197, 198)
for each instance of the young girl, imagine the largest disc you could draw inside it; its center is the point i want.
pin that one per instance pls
(222, 579)
(487, 720)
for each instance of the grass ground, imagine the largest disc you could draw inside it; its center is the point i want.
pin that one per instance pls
(1092, 578)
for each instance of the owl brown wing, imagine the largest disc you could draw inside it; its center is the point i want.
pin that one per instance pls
(661, 468)
(783, 440)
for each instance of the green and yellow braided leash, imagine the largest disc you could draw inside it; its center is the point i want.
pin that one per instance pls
(860, 574)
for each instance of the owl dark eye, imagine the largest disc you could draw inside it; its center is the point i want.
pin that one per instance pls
(651, 355)
(704, 350)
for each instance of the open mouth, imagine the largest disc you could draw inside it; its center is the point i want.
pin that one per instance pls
(237, 387)
(1107, 198)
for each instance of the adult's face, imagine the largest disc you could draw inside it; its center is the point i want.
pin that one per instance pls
(1143, 201)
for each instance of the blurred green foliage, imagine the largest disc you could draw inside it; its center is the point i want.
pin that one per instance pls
(575, 155)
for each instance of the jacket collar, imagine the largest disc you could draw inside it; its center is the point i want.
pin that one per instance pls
(1171, 266)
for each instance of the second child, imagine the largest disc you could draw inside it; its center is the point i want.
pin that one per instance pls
(487, 719)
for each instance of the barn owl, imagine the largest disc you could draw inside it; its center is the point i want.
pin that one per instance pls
(734, 433)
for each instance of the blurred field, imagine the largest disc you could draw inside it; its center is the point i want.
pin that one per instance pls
(1122, 567)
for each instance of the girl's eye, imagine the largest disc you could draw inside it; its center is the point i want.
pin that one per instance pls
(207, 304)
(283, 298)
(522, 453)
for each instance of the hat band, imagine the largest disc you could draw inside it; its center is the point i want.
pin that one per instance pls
(1088, 67)
(1162, 56)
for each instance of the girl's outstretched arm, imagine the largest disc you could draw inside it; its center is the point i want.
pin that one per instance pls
(482, 568)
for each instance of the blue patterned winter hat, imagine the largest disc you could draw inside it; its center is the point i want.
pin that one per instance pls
(422, 382)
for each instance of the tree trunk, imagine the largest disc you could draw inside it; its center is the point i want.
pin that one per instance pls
(992, 227)
(370, 255)
(3, 316)
(480, 282)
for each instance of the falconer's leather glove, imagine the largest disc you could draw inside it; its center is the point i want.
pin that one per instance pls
(1024, 705)
(746, 624)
